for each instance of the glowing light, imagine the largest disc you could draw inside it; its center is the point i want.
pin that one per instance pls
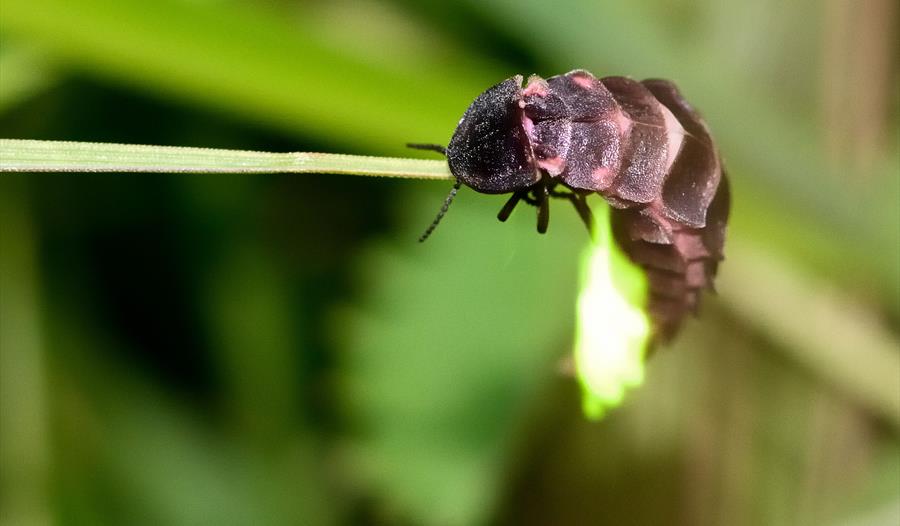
(613, 327)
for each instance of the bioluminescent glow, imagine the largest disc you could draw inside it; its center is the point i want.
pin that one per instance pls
(613, 328)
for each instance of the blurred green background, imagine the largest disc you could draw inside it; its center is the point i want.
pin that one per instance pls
(233, 349)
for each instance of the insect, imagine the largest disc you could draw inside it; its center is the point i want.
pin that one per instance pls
(640, 145)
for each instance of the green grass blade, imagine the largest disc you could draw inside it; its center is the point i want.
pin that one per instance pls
(58, 156)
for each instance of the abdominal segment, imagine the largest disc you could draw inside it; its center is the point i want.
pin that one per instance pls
(645, 147)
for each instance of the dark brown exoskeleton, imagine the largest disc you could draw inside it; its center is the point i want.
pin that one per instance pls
(638, 144)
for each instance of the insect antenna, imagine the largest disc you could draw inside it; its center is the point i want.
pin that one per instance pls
(441, 213)
(443, 151)
(430, 147)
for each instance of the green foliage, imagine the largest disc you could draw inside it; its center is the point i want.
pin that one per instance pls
(441, 381)
(279, 350)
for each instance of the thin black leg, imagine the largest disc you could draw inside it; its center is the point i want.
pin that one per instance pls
(581, 206)
(584, 212)
(543, 210)
(509, 206)
(530, 200)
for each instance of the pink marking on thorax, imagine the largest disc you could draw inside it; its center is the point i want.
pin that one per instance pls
(554, 165)
(603, 176)
(622, 122)
(528, 124)
(584, 82)
(536, 86)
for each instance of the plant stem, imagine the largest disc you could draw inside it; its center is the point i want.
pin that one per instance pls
(60, 156)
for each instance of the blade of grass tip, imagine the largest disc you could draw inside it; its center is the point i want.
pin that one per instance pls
(60, 156)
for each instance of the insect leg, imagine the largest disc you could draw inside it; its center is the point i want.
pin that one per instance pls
(584, 211)
(530, 200)
(510, 204)
(581, 206)
(543, 209)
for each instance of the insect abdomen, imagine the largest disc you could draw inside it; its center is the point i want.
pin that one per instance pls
(646, 150)
(679, 235)
(680, 261)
